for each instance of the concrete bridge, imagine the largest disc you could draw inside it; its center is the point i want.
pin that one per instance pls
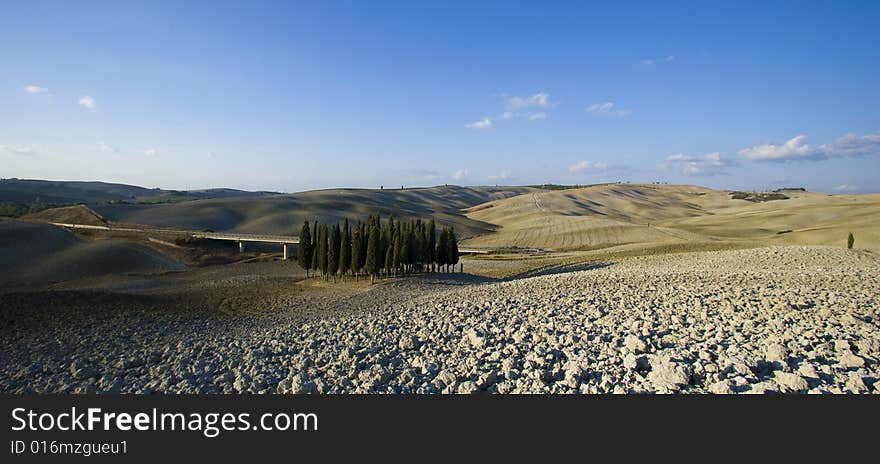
(283, 240)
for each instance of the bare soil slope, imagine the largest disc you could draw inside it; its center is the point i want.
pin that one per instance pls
(765, 320)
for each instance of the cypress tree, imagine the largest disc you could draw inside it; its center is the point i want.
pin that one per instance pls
(414, 250)
(362, 254)
(345, 249)
(333, 251)
(315, 252)
(452, 249)
(372, 258)
(316, 249)
(426, 253)
(421, 253)
(380, 252)
(406, 248)
(322, 250)
(432, 243)
(390, 234)
(396, 259)
(440, 252)
(386, 236)
(356, 249)
(389, 260)
(304, 250)
(316, 232)
(850, 240)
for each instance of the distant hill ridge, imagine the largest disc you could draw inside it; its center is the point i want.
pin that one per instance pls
(29, 191)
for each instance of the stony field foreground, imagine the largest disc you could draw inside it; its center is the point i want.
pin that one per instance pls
(782, 319)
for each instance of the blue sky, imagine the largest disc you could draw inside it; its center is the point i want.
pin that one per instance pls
(291, 96)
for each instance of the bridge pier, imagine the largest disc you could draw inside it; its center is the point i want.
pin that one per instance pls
(240, 246)
(284, 246)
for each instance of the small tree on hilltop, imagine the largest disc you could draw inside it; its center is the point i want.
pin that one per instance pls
(850, 241)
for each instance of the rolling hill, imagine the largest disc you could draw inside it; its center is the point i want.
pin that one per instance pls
(76, 214)
(285, 214)
(617, 214)
(571, 219)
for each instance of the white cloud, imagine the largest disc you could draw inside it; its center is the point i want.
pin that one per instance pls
(88, 102)
(709, 164)
(529, 108)
(847, 188)
(19, 149)
(795, 149)
(606, 109)
(853, 145)
(669, 58)
(35, 89)
(539, 100)
(485, 123)
(105, 148)
(587, 167)
(647, 62)
(460, 174)
(150, 152)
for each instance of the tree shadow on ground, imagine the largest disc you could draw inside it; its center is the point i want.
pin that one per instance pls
(561, 269)
(458, 278)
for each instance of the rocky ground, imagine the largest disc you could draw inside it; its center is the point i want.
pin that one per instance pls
(782, 319)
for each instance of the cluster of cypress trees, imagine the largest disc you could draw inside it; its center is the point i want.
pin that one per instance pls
(376, 249)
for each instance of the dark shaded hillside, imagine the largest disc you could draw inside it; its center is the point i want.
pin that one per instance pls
(36, 253)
